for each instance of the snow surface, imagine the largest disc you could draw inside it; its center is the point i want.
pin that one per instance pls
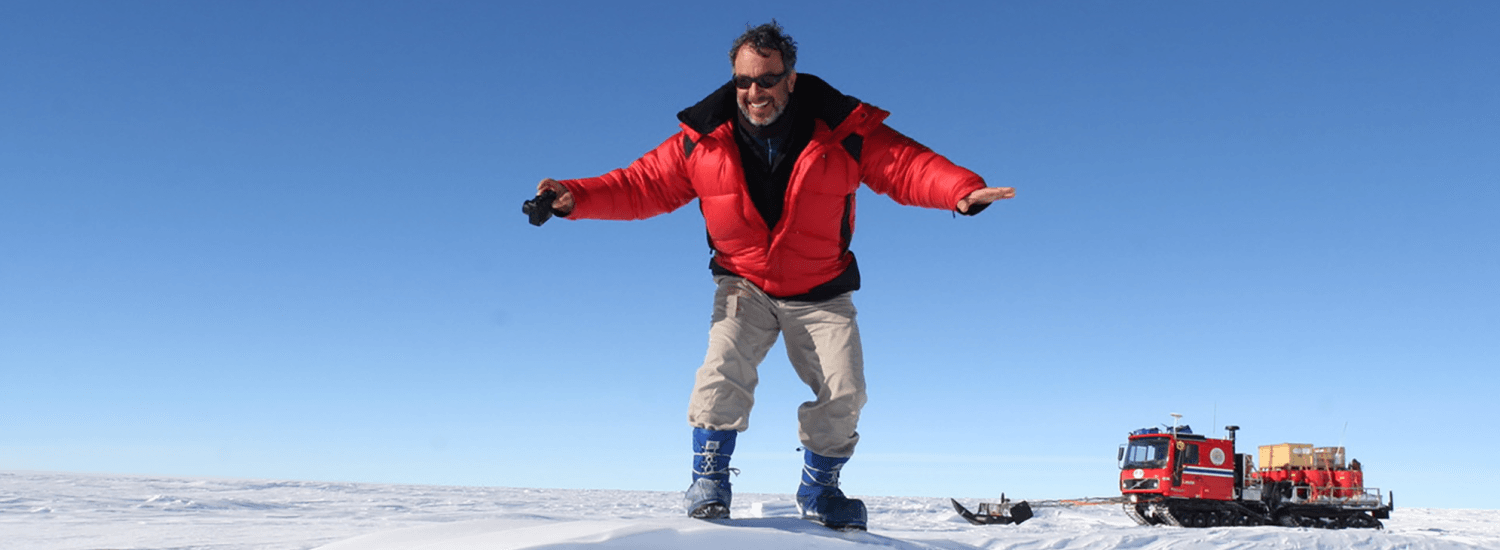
(57, 511)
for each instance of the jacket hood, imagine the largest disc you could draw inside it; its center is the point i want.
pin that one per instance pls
(813, 96)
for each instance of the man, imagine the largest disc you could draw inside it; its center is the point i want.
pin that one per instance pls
(774, 159)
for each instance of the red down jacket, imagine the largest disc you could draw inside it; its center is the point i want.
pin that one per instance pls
(810, 245)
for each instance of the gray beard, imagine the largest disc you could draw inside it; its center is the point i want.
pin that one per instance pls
(774, 116)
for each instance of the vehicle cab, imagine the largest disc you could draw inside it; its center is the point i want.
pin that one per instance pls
(1176, 463)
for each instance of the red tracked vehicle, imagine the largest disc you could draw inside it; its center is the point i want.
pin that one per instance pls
(1174, 477)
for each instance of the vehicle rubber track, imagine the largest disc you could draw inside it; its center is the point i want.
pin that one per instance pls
(1139, 512)
(1209, 513)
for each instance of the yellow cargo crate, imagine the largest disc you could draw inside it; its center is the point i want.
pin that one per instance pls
(1295, 455)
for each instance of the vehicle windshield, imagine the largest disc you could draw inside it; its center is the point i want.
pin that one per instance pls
(1146, 453)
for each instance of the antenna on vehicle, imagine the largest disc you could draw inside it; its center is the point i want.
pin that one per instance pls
(1175, 418)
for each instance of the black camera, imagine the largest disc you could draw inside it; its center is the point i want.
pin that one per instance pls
(539, 209)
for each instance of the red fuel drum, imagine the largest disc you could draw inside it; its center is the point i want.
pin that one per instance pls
(1319, 482)
(1349, 483)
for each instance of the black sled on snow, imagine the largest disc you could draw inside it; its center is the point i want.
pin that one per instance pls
(995, 513)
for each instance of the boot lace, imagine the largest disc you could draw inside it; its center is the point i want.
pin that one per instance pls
(817, 476)
(710, 464)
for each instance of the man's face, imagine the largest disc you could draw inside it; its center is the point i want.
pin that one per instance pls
(762, 105)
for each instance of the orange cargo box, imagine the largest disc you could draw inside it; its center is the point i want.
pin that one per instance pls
(1328, 457)
(1295, 455)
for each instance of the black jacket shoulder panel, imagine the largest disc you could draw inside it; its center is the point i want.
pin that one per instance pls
(712, 112)
(824, 101)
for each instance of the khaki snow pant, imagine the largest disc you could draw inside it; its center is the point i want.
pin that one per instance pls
(822, 341)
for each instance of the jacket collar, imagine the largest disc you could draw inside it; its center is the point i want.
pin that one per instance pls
(813, 97)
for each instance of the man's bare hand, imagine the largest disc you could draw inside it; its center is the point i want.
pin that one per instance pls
(985, 196)
(564, 202)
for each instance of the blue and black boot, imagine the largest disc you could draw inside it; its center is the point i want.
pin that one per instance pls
(709, 496)
(819, 498)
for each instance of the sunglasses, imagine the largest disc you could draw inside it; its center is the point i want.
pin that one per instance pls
(765, 81)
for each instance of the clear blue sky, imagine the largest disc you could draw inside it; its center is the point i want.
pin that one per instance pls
(284, 240)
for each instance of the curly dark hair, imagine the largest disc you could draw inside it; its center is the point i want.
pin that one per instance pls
(769, 36)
